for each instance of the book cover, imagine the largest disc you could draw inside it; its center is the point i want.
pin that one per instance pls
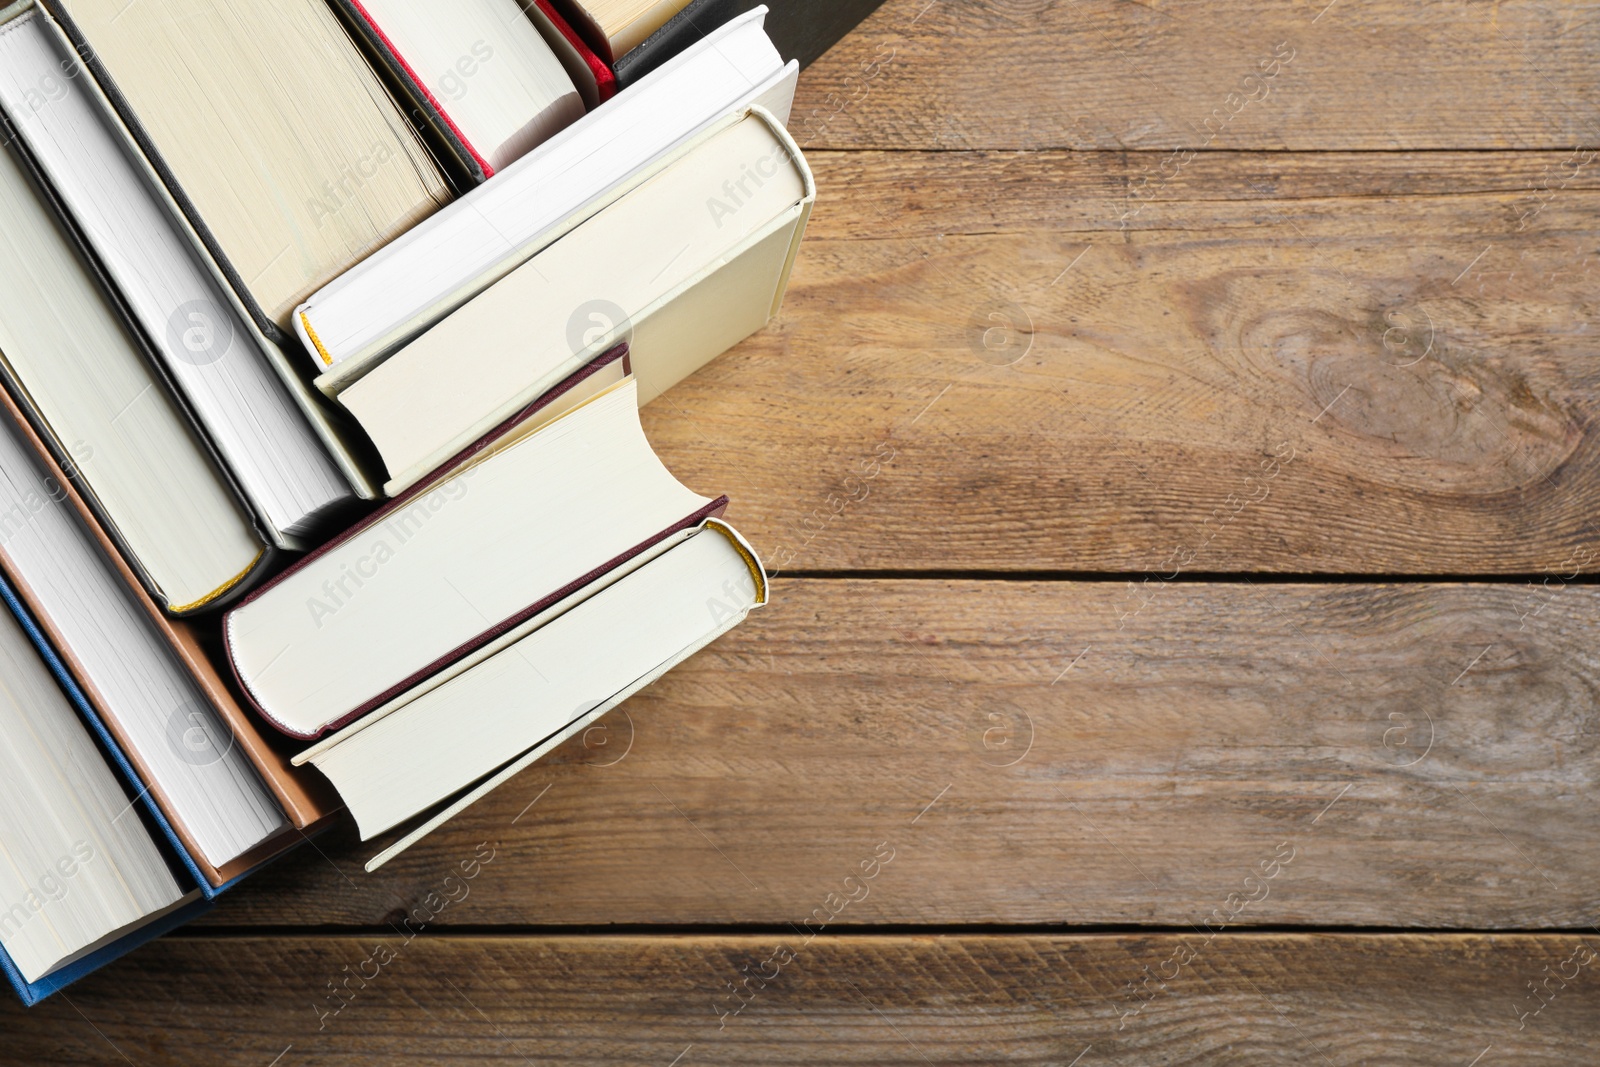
(448, 144)
(496, 628)
(586, 68)
(328, 424)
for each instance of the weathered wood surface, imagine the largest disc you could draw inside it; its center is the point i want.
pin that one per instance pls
(1155, 74)
(1002, 361)
(1085, 753)
(912, 1001)
(1302, 348)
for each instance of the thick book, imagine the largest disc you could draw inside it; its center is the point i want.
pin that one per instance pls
(614, 28)
(688, 27)
(86, 872)
(568, 493)
(450, 742)
(370, 311)
(279, 443)
(229, 790)
(479, 71)
(91, 389)
(299, 163)
(199, 885)
(686, 265)
(31, 993)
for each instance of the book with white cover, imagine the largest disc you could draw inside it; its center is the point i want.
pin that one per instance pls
(687, 264)
(91, 391)
(81, 869)
(161, 716)
(263, 421)
(353, 322)
(452, 568)
(480, 70)
(450, 744)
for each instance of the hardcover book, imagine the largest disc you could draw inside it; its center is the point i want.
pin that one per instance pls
(449, 569)
(710, 237)
(91, 389)
(279, 442)
(681, 32)
(229, 791)
(352, 324)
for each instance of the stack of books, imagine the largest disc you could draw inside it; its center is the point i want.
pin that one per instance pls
(324, 329)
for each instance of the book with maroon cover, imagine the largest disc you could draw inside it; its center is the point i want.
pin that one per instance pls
(564, 493)
(306, 802)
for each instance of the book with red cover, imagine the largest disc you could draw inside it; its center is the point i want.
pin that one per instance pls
(448, 141)
(448, 144)
(252, 655)
(583, 64)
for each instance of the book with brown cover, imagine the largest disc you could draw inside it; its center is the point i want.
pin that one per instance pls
(306, 800)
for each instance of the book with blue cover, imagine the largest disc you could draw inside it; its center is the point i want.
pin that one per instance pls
(133, 787)
(95, 868)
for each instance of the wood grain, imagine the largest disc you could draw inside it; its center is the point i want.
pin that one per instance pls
(1047, 752)
(1002, 362)
(913, 1001)
(1302, 345)
(1119, 74)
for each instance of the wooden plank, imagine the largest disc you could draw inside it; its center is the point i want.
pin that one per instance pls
(1301, 363)
(1084, 1000)
(1252, 74)
(1040, 752)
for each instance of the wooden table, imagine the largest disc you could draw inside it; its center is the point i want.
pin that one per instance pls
(1178, 453)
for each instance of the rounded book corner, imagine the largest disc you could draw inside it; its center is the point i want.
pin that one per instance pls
(747, 551)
